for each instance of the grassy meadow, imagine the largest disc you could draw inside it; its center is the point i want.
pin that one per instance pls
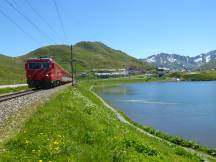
(11, 70)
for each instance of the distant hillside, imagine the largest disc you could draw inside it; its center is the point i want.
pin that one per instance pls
(11, 70)
(177, 62)
(88, 55)
(208, 66)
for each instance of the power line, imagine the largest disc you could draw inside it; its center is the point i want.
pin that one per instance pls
(14, 3)
(60, 18)
(19, 27)
(29, 20)
(40, 16)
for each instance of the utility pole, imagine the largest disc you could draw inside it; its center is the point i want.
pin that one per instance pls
(75, 70)
(72, 76)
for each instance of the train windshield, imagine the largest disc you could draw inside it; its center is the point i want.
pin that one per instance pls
(38, 65)
(45, 65)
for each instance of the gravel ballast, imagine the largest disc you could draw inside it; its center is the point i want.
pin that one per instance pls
(13, 106)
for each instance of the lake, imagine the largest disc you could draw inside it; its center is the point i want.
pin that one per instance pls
(185, 109)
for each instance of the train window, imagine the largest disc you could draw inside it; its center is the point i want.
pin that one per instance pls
(34, 65)
(38, 65)
(45, 65)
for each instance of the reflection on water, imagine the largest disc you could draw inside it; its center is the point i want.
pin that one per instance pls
(117, 90)
(186, 109)
(149, 102)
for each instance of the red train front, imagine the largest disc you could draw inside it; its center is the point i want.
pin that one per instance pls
(45, 73)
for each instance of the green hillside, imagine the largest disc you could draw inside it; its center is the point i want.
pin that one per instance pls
(88, 55)
(11, 70)
(195, 76)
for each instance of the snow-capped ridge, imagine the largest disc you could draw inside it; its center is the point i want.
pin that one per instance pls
(179, 62)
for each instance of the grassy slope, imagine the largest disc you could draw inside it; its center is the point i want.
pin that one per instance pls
(11, 90)
(11, 70)
(88, 55)
(76, 126)
(198, 76)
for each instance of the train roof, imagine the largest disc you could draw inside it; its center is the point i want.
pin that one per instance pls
(40, 59)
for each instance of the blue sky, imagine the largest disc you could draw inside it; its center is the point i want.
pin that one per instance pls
(138, 27)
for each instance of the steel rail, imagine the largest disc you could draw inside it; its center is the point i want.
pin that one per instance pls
(16, 95)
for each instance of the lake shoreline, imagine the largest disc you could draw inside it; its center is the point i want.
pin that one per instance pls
(173, 139)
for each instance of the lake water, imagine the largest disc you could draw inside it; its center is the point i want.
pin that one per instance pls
(185, 109)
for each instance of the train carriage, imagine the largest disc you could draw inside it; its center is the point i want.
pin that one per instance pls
(45, 73)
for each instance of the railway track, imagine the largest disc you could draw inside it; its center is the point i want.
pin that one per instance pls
(16, 95)
(19, 94)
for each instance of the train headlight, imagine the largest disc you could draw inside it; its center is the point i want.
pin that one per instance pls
(47, 75)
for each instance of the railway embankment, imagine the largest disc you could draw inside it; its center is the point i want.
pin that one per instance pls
(75, 125)
(12, 111)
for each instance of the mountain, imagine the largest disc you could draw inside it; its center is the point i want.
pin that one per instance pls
(208, 66)
(207, 61)
(88, 55)
(176, 62)
(171, 61)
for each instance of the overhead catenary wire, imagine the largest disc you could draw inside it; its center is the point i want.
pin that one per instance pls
(14, 1)
(19, 27)
(60, 19)
(29, 21)
(40, 16)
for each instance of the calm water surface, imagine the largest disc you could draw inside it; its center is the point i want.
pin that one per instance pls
(186, 109)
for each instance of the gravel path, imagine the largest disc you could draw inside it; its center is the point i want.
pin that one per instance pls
(10, 107)
(12, 85)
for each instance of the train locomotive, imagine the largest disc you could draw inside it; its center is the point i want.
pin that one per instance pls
(44, 72)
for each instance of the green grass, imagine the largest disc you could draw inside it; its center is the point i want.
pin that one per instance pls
(196, 76)
(202, 76)
(76, 126)
(11, 90)
(11, 70)
(173, 139)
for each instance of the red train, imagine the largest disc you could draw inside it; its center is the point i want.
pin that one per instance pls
(45, 73)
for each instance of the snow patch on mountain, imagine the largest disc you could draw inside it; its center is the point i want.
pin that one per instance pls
(208, 58)
(178, 62)
(151, 59)
(171, 59)
(198, 60)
